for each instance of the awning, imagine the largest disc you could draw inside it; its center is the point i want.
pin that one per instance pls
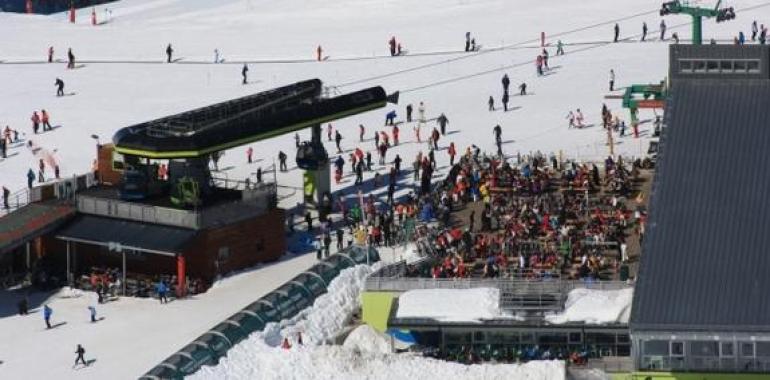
(142, 237)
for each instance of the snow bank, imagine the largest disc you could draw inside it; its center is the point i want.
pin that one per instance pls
(364, 338)
(450, 305)
(595, 307)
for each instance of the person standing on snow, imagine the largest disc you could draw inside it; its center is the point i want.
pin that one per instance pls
(392, 44)
(523, 89)
(361, 132)
(662, 30)
(216, 56)
(338, 139)
(282, 160)
(467, 41)
(644, 30)
(545, 59)
(44, 119)
(6, 195)
(539, 65)
(47, 312)
(80, 351)
(491, 103)
(30, 178)
(162, 289)
(506, 82)
(442, 122)
(498, 131)
(617, 32)
(421, 115)
(559, 48)
(409, 113)
(395, 134)
(50, 49)
(249, 153)
(169, 53)
(244, 72)
(59, 87)
(452, 152)
(92, 313)
(318, 51)
(70, 59)
(754, 30)
(505, 102)
(35, 122)
(612, 80)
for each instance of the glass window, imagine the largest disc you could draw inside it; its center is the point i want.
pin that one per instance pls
(479, 336)
(752, 66)
(763, 349)
(527, 337)
(600, 338)
(726, 66)
(685, 66)
(747, 349)
(656, 347)
(450, 338)
(575, 337)
(712, 66)
(699, 66)
(624, 339)
(701, 348)
(727, 349)
(552, 338)
(677, 348)
(739, 66)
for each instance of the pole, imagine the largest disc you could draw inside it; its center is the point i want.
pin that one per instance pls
(124, 273)
(697, 28)
(69, 275)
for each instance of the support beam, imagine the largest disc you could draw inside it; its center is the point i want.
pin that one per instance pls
(180, 276)
(69, 273)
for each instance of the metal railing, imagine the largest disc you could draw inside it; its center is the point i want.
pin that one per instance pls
(138, 212)
(402, 284)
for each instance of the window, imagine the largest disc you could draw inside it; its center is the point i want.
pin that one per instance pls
(450, 338)
(624, 339)
(747, 349)
(763, 349)
(575, 337)
(117, 161)
(728, 350)
(726, 66)
(552, 338)
(479, 337)
(699, 66)
(685, 66)
(656, 347)
(704, 348)
(527, 337)
(677, 349)
(752, 66)
(712, 66)
(740, 66)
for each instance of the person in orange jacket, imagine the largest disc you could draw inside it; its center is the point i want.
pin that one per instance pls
(44, 118)
(286, 345)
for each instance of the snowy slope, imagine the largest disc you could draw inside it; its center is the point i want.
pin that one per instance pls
(111, 92)
(123, 82)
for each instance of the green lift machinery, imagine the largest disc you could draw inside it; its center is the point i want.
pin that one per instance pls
(697, 14)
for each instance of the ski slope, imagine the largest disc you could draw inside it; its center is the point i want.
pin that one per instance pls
(122, 79)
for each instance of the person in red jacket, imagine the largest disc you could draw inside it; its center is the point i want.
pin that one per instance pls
(35, 121)
(395, 135)
(44, 117)
(452, 152)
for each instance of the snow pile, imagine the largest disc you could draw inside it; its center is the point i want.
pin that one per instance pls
(595, 307)
(259, 360)
(364, 338)
(67, 292)
(331, 311)
(450, 305)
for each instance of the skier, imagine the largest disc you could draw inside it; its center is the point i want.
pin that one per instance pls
(318, 51)
(644, 30)
(360, 170)
(338, 139)
(216, 55)
(282, 160)
(467, 41)
(523, 89)
(392, 44)
(44, 119)
(340, 236)
(390, 117)
(70, 59)
(498, 131)
(47, 312)
(409, 113)
(617, 32)
(539, 65)
(579, 118)
(662, 30)
(741, 38)
(169, 53)
(612, 80)
(329, 131)
(442, 122)
(397, 164)
(506, 82)
(473, 44)
(296, 139)
(35, 121)
(50, 49)
(41, 171)
(4, 148)
(92, 312)
(559, 48)
(59, 87)
(491, 103)
(762, 34)
(80, 351)
(505, 102)
(244, 71)
(368, 161)
(421, 115)
(434, 136)
(545, 59)
(675, 37)
(361, 131)
(249, 153)
(452, 152)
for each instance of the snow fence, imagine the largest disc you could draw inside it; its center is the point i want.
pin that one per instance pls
(282, 303)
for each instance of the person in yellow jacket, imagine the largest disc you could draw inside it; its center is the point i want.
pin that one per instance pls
(360, 235)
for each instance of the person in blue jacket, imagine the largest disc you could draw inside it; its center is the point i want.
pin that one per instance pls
(162, 289)
(47, 311)
(30, 178)
(390, 117)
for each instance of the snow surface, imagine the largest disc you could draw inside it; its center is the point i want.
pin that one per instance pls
(595, 307)
(365, 354)
(450, 305)
(123, 81)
